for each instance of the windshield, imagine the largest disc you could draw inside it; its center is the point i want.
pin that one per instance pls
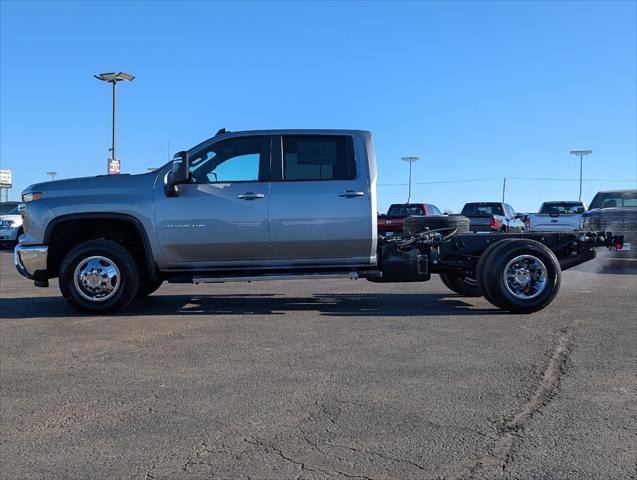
(15, 211)
(625, 199)
(404, 210)
(563, 208)
(477, 209)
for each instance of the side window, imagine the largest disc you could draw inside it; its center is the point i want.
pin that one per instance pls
(318, 158)
(435, 211)
(233, 160)
(510, 211)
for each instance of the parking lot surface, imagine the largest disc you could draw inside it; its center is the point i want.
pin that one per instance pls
(320, 379)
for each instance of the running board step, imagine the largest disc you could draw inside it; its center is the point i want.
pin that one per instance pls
(274, 276)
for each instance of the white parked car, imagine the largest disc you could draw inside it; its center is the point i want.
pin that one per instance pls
(10, 227)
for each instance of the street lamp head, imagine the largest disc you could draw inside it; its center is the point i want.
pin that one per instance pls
(115, 77)
(409, 159)
(581, 152)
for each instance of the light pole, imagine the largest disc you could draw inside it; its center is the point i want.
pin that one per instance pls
(114, 166)
(580, 154)
(52, 175)
(409, 160)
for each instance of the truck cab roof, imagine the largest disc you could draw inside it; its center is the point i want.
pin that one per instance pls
(223, 134)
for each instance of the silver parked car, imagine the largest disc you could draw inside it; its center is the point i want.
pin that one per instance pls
(10, 227)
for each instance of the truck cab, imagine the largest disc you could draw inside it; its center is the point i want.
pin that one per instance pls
(267, 199)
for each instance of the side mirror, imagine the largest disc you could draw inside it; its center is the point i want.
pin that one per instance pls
(180, 173)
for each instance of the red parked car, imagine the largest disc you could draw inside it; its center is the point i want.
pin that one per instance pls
(392, 222)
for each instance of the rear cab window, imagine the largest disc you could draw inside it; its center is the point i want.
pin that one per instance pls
(398, 210)
(477, 209)
(562, 208)
(615, 199)
(318, 158)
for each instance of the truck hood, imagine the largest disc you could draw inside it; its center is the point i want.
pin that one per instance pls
(99, 184)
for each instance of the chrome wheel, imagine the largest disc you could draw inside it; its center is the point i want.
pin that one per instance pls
(525, 277)
(97, 278)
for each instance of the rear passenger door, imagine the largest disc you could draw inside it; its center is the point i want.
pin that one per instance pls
(320, 201)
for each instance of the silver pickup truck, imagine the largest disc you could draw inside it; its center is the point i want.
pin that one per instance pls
(261, 205)
(557, 216)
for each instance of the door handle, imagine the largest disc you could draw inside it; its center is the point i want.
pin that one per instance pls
(351, 194)
(251, 196)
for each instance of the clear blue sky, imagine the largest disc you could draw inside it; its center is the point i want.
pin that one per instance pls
(476, 89)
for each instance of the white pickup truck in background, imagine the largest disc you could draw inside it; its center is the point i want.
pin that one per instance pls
(557, 216)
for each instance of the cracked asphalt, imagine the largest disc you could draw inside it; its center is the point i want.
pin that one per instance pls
(319, 380)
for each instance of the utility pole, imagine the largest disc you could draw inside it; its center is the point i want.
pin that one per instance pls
(504, 187)
(580, 154)
(114, 166)
(409, 160)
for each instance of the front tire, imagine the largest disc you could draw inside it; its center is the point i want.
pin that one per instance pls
(99, 276)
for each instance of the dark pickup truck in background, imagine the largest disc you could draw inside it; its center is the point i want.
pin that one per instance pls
(393, 221)
(617, 211)
(492, 217)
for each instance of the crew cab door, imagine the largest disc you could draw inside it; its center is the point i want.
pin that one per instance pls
(320, 204)
(221, 217)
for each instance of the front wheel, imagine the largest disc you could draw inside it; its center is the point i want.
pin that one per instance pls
(99, 276)
(521, 276)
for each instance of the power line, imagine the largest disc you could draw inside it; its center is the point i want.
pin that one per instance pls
(441, 181)
(617, 180)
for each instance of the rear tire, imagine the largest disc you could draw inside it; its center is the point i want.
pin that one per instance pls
(463, 285)
(483, 261)
(99, 276)
(421, 223)
(520, 275)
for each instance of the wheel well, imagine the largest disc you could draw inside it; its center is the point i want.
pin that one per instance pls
(68, 233)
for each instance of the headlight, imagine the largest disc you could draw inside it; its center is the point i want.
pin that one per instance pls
(6, 223)
(31, 197)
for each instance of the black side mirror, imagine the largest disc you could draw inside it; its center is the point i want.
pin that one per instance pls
(180, 173)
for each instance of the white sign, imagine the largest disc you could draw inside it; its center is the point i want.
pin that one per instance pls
(5, 178)
(113, 166)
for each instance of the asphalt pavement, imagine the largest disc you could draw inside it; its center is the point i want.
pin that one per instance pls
(320, 379)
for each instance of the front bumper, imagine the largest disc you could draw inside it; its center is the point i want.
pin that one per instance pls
(31, 261)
